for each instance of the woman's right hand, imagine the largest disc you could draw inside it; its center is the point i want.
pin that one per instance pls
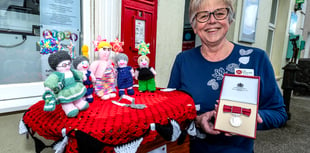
(204, 121)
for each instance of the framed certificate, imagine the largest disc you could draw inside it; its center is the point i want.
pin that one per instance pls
(238, 105)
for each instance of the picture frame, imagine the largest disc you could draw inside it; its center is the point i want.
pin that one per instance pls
(248, 21)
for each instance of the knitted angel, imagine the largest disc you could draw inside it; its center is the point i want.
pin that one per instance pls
(103, 69)
(81, 63)
(145, 74)
(125, 75)
(64, 86)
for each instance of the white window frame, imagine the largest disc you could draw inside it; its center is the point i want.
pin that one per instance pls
(16, 97)
(271, 28)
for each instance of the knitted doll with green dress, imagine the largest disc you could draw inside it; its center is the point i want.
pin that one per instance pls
(145, 74)
(64, 86)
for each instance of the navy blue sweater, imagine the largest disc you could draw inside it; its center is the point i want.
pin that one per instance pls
(202, 79)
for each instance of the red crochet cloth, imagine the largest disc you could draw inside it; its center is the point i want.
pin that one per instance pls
(110, 123)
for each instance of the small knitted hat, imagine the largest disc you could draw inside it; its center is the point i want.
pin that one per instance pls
(55, 58)
(117, 46)
(143, 48)
(78, 60)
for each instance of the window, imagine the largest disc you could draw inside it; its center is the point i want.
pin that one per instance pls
(19, 60)
(272, 26)
(22, 67)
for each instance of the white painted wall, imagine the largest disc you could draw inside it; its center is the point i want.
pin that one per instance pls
(169, 37)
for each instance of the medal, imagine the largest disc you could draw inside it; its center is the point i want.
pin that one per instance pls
(236, 112)
(235, 120)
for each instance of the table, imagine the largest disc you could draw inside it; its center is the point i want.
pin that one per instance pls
(104, 125)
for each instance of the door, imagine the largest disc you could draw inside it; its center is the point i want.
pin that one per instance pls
(139, 20)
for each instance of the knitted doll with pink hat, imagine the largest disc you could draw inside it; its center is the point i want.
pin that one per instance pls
(103, 69)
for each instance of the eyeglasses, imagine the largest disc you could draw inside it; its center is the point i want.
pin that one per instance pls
(65, 64)
(218, 14)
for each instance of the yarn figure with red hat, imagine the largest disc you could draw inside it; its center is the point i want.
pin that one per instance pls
(145, 74)
(103, 69)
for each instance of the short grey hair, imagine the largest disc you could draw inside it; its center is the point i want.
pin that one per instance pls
(195, 5)
(121, 56)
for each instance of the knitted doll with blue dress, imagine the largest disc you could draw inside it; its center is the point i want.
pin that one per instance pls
(145, 74)
(125, 75)
(81, 63)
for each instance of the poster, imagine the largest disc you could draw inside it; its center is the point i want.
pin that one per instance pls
(69, 39)
(140, 32)
(60, 13)
(62, 19)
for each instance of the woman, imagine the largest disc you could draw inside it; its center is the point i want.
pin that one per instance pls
(200, 71)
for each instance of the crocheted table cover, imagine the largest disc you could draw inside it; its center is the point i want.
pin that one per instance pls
(112, 124)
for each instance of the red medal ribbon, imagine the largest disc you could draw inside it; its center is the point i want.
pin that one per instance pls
(237, 110)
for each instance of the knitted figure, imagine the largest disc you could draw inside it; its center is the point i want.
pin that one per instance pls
(49, 44)
(64, 86)
(81, 63)
(103, 69)
(145, 74)
(84, 50)
(125, 75)
(117, 46)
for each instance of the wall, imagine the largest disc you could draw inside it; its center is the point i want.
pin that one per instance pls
(278, 57)
(280, 40)
(169, 37)
(100, 18)
(169, 34)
